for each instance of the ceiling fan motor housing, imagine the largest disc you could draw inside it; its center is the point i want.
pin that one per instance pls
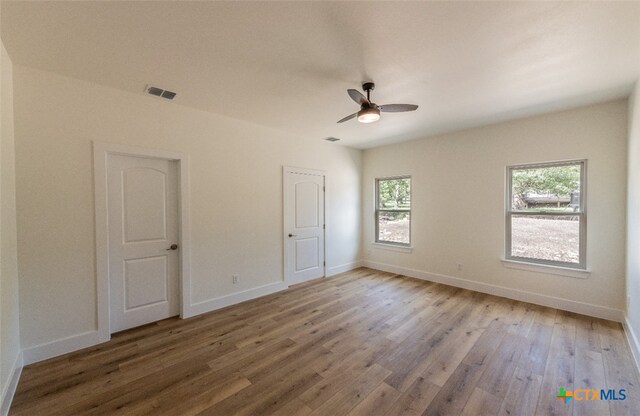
(369, 113)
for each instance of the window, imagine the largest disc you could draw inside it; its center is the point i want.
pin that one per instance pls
(393, 211)
(546, 218)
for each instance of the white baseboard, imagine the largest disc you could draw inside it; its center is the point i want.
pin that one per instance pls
(332, 271)
(10, 389)
(582, 308)
(87, 339)
(633, 341)
(59, 347)
(228, 300)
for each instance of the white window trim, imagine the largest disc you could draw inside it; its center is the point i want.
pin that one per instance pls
(392, 247)
(547, 269)
(389, 244)
(539, 264)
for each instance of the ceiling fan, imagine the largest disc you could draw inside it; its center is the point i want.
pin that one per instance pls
(370, 112)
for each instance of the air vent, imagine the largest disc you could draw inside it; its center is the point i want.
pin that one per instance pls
(159, 92)
(168, 95)
(332, 139)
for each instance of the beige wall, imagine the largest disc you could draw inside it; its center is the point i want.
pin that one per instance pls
(458, 200)
(9, 322)
(235, 185)
(633, 217)
(236, 193)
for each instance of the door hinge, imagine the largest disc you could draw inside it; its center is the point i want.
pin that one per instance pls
(324, 263)
(324, 226)
(324, 189)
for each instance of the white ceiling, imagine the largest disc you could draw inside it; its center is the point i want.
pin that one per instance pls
(288, 65)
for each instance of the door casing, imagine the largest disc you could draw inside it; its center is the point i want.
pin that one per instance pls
(100, 153)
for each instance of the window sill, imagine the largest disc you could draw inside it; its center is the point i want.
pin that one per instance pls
(393, 247)
(547, 269)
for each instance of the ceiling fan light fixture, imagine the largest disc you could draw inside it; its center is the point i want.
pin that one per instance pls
(368, 115)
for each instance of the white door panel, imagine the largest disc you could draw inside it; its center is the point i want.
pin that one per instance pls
(144, 218)
(145, 282)
(307, 251)
(143, 225)
(307, 196)
(304, 226)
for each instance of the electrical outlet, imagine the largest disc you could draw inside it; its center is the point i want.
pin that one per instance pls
(235, 279)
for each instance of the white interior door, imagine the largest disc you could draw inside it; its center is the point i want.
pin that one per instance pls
(304, 226)
(143, 237)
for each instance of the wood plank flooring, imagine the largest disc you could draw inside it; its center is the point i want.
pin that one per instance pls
(361, 343)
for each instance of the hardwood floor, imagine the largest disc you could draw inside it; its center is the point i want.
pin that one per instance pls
(361, 343)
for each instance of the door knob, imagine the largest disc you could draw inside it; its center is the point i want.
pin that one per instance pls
(292, 235)
(173, 247)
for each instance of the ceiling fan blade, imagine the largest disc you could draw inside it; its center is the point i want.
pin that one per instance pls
(349, 117)
(397, 108)
(357, 97)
